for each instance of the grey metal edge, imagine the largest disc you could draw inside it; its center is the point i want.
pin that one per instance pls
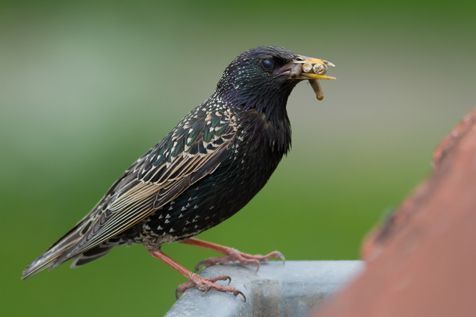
(277, 289)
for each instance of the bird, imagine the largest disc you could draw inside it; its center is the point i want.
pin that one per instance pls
(202, 172)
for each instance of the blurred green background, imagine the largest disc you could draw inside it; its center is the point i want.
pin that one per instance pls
(86, 87)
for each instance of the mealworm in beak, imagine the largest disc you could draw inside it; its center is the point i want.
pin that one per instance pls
(319, 69)
(317, 89)
(306, 67)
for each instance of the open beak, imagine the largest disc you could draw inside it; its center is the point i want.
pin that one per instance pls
(309, 68)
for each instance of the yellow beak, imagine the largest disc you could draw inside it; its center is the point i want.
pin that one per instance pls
(311, 69)
(314, 68)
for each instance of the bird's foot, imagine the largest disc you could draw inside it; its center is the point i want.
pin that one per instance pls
(235, 256)
(206, 284)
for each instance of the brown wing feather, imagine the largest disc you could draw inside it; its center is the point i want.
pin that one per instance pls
(154, 186)
(145, 198)
(193, 150)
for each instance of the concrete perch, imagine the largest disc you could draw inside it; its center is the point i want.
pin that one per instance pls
(277, 289)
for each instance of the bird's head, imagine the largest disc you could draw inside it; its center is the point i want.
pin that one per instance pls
(262, 78)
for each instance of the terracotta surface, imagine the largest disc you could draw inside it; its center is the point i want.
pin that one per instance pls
(422, 261)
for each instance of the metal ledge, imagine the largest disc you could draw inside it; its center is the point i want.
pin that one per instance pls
(277, 289)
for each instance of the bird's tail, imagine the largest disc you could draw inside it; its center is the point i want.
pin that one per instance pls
(57, 253)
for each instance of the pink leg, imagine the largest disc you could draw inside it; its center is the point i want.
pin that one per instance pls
(195, 280)
(231, 255)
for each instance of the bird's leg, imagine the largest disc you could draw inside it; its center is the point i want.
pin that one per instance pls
(195, 280)
(231, 255)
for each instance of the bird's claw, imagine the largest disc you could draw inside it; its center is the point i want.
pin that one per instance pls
(206, 284)
(226, 260)
(235, 256)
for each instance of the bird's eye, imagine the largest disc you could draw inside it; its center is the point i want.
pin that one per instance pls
(268, 63)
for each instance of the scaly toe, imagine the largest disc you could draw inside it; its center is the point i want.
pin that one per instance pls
(275, 255)
(182, 288)
(235, 256)
(205, 285)
(211, 262)
(221, 278)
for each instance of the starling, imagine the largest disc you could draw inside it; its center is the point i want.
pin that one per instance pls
(205, 170)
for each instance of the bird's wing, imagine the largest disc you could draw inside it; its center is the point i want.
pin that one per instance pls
(191, 151)
(194, 149)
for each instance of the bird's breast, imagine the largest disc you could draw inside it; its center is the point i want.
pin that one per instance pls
(252, 157)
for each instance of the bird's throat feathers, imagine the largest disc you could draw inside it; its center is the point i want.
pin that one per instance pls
(266, 118)
(266, 109)
(269, 101)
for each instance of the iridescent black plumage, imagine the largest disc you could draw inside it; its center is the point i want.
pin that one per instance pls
(206, 169)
